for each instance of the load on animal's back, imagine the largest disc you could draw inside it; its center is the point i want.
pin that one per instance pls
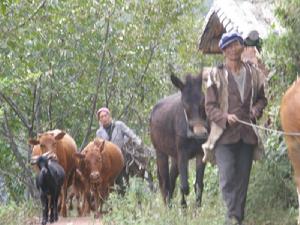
(290, 121)
(178, 128)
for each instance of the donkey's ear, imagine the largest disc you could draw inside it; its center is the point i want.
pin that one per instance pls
(177, 82)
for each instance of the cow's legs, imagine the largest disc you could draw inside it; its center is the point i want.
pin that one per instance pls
(104, 193)
(97, 200)
(87, 201)
(173, 176)
(294, 156)
(297, 180)
(63, 209)
(198, 186)
(298, 192)
(163, 176)
(70, 199)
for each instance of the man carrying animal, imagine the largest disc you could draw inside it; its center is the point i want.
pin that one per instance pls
(235, 92)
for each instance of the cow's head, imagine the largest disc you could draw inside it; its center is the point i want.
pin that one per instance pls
(192, 99)
(48, 141)
(92, 159)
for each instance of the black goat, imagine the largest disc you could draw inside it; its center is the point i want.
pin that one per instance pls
(49, 182)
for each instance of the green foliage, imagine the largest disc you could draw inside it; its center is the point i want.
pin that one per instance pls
(23, 213)
(140, 206)
(274, 180)
(12, 178)
(211, 182)
(61, 60)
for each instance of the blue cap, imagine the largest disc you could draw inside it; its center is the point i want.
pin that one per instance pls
(228, 38)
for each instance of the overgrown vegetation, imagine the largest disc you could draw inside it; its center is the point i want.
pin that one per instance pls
(140, 206)
(20, 213)
(61, 60)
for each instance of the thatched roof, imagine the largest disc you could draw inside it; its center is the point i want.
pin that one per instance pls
(253, 19)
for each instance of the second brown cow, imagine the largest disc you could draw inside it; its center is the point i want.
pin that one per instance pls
(102, 162)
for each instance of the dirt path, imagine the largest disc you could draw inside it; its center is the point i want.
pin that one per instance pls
(70, 221)
(78, 221)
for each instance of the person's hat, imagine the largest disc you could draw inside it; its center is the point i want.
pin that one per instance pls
(228, 38)
(103, 109)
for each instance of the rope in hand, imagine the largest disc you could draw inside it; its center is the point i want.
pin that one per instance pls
(268, 129)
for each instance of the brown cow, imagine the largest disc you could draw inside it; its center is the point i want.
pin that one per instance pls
(290, 121)
(37, 151)
(64, 146)
(80, 188)
(103, 162)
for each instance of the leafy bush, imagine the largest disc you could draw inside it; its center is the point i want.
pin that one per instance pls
(26, 213)
(140, 206)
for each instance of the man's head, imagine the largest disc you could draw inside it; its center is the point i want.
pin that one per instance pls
(232, 45)
(104, 117)
(229, 38)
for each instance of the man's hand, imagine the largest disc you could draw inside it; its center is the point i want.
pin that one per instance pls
(232, 118)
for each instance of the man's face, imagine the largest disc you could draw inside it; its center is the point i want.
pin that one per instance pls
(234, 50)
(105, 118)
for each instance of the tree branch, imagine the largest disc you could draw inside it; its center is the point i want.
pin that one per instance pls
(35, 107)
(42, 4)
(139, 84)
(15, 108)
(14, 148)
(98, 84)
(14, 176)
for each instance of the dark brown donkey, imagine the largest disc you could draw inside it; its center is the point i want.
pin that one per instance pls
(178, 128)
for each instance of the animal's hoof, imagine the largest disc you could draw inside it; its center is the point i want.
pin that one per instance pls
(97, 215)
(198, 204)
(184, 205)
(185, 189)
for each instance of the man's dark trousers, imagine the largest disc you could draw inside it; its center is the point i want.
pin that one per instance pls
(234, 162)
